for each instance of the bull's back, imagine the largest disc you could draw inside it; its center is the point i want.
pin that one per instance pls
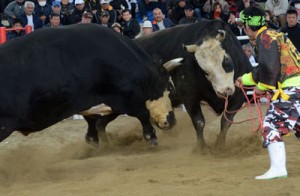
(52, 73)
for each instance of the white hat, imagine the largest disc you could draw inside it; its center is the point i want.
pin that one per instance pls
(78, 2)
(105, 1)
(147, 24)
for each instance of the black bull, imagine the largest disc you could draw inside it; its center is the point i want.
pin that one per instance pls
(52, 73)
(191, 83)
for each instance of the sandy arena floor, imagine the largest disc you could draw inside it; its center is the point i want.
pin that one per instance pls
(57, 161)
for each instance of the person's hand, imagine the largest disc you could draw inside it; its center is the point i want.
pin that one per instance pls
(238, 81)
(258, 91)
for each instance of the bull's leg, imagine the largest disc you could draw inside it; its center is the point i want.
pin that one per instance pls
(196, 115)
(225, 125)
(234, 103)
(148, 131)
(91, 137)
(4, 133)
(101, 124)
(96, 128)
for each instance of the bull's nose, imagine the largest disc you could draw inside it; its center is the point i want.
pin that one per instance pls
(226, 92)
(166, 124)
(229, 91)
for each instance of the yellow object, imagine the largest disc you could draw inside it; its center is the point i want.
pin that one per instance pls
(281, 93)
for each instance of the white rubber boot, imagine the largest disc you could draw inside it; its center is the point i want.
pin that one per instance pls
(278, 162)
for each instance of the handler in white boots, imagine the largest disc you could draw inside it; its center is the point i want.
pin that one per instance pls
(277, 69)
(277, 161)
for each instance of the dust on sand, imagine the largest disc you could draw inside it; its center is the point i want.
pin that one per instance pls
(57, 161)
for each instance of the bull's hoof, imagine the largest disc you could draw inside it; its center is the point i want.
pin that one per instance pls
(203, 148)
(92, 141)
(151, 138)
(220, 142)
(153, 142)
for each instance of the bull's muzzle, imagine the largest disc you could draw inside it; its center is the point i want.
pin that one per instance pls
(225, 92)
(169, 122)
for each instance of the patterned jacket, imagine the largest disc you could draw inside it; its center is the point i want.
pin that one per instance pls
(278, 59)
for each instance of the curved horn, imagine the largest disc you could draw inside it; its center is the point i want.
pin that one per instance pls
(190, 48)
(172, 64)
(221, 35)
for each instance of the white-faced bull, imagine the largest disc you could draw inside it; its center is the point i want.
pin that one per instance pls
(216, 63)
(45, 80)
(213, 59)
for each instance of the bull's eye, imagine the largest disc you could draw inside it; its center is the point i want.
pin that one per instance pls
(226, 59)
(227, 64)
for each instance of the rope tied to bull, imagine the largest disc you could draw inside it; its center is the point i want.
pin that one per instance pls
(256, 100)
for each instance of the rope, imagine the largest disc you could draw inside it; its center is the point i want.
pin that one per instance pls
(256, 99)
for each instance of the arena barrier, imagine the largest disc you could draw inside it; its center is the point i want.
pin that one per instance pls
(3, 30)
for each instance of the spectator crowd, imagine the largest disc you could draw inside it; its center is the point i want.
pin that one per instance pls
(135, 18)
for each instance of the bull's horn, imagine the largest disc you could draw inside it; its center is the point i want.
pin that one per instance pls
(190, 48)
(221, 35)
(172, 64)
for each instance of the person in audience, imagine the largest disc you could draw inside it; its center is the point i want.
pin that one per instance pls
(271, 21)
(146, 29)
(43, 11)
(14, 10)
(292, 30)
(56, 7)
(76, 15)
(237, 27)
(92, 5)
(209, 6)
(105, 6)
(296, 5)
(132, 5)
(160, 22)
(189, 15)
(3, 4)
(217, 13)
(278, 8)
(178, 11)
(119, 5)
(117, 27)
(87, 17)
(248, 50)
(16, 33)
(171, 5)
(29, 18)
(66, 10)
(104, 19)
(130, 26)
(54, 21)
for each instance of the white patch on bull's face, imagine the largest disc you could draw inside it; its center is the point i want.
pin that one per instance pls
(159, 110)
(210, 56)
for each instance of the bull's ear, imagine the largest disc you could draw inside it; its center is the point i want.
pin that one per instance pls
(221, 35)
(190, 48)
(172, 64)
